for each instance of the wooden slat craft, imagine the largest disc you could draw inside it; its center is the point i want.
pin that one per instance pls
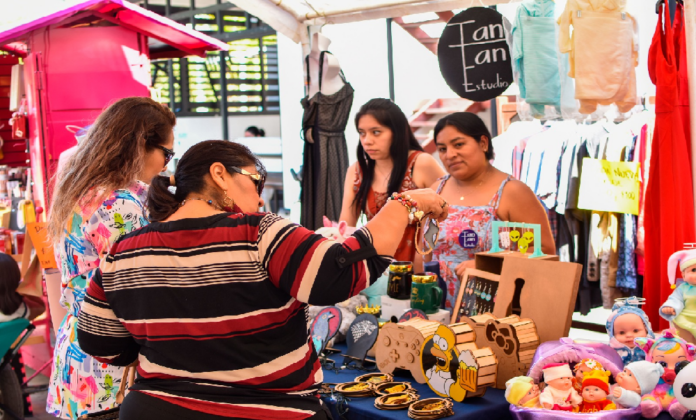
(513, 340)
(454, 366)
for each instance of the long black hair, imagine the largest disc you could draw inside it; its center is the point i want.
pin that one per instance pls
(388, 114)
(467, 123)
(9, 281)
(190, 174)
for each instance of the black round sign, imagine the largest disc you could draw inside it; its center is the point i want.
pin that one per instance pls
(474, 55)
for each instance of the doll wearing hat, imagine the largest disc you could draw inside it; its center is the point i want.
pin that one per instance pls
(522, 392)
(595, 388)
(636, 380)
(559, 393)
(626, 323)
(583, 367)
(680, 307)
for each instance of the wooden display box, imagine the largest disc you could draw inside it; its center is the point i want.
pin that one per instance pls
(541, 289)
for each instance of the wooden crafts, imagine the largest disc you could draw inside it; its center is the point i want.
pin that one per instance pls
(399, 346)
(513, 340)
(456, 368)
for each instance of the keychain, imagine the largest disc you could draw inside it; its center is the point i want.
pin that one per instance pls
(430, 235)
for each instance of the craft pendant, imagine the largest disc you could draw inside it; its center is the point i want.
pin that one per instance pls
(468, 239)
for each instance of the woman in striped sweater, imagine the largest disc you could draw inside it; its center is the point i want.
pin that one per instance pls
(211, 298)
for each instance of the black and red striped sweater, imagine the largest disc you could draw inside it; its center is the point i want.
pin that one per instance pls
(214, 309)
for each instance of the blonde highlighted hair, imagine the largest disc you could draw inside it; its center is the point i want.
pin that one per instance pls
(111, 157)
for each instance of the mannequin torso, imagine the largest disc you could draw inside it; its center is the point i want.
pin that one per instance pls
(331, 81)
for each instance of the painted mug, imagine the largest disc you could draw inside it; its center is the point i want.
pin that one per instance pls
(425, 294)
(399, 285)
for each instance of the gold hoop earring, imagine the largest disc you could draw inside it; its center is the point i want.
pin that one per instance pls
(228, 203)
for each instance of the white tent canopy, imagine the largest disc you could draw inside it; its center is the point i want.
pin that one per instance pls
(291, 17)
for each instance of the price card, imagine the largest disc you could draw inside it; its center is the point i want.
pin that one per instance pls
(610, 186)
(42, 243)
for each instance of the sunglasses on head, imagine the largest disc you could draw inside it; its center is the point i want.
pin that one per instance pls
(168, 154)
(258, 179)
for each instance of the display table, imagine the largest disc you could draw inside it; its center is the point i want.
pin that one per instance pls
(492, 406)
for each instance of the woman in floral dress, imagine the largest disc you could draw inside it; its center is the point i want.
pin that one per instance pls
(478, 194)
(100, 196)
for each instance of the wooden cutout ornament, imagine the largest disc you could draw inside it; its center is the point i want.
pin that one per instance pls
(455, 370)
(324, 327)
(513, 340)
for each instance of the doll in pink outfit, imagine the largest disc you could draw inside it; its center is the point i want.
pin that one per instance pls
(667, 350)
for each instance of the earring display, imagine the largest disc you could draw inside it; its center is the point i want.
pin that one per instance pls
(479, 297)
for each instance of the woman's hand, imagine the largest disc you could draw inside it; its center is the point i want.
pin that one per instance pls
(462, 266)
(669, 311)
(430, 203)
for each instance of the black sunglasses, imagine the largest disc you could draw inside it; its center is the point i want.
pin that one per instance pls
(258, 179)
(168, 153)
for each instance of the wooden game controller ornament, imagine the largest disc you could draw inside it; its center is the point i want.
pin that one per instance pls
(456, 371)
(399, 346)
(513, 340)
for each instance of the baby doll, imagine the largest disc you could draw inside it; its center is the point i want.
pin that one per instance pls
(667, 350)
(636, 380)
(680, 307)
(595, 388)
(626, 323)
(584, 366)
(522, 392)
(559, 393)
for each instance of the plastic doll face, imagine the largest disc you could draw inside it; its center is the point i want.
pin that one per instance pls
(627, 327)
(669, 361)
(375, 138)
(533, 393)
(627, 381)
(561, 384)
(690, 275)
(593, 393)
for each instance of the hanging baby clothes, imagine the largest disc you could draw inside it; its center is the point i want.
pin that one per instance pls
(536, 61)
(325, 159)
(603, 51)
(669, 205)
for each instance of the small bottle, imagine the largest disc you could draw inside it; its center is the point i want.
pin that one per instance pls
(434, 267)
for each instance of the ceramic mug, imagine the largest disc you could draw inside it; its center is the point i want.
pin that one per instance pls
(399, 286)
(425, 294)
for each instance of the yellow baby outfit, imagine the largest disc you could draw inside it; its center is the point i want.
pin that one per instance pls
(603, 51)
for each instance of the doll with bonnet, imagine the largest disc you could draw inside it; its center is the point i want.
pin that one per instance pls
(680, 307)
(626, 323)
(668, 350)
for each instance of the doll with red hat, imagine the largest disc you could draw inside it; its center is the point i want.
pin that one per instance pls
(595, 388)
(680, 307)
(559, 393)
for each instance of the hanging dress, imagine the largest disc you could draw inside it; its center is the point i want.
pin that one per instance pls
(682, 68)
(448, 250)
(669, 206)
(326, 158)
(406, 251)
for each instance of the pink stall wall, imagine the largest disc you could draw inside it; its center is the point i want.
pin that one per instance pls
(72, 74)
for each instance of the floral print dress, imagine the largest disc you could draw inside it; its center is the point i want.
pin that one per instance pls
(456, 230)
(79, 384)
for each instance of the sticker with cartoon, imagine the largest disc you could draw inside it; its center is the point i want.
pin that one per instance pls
(448, 372)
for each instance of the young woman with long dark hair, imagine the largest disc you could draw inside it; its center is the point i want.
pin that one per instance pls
(390, 159)
(99, 197)
(12, 304)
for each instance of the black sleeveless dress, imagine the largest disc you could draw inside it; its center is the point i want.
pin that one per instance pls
(326, 159)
